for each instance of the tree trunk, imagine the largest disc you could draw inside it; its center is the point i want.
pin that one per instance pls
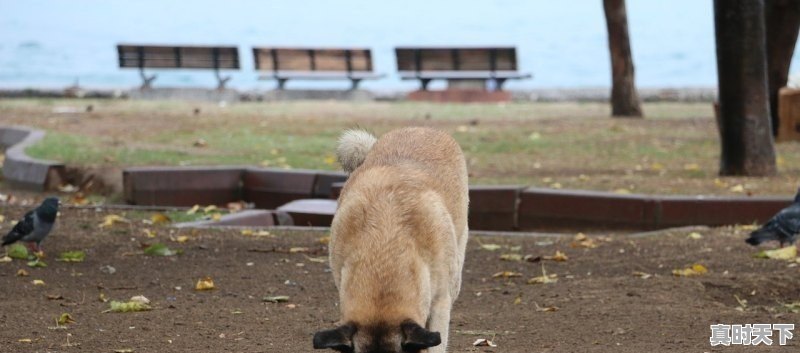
(745, 129)
(782, 18)
(624, 99)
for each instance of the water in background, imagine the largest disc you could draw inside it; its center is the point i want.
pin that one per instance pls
(53, 43)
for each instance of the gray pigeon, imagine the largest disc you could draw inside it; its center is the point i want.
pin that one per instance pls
(783, 227)
(35, 225)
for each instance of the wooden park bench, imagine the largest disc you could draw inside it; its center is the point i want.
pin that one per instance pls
(461, 67)
(178, 57)
(283, 64)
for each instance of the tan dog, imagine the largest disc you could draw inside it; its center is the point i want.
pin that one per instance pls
(397, 241)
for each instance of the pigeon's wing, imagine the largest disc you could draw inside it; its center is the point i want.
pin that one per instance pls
(21, 229)
(788, 221)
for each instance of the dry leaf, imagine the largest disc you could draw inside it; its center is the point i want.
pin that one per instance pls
(324, 240)
(321, 259)
(193, 210)
(113, 219)
(482, 342)
(695, 235)
(37, 282)
(181, 239)
(558, 257)
(582, 241)
(511, 257)
(506, 274)
(695, 270)
(298, 249)
(276, 299)
(209, 208)
(787, 253)
(216, 217)
(544, 278)
(738, 188)
(149, 233)
(159, 218)
(490, 247)
(204, 284)
(545, 309)
(642, 275)
(22, 273)
(65, 318)
(25, 340)
(5, 259)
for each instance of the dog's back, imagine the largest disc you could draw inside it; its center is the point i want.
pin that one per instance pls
(399, 235)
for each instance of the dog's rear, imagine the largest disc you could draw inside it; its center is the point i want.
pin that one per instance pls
(397, 241)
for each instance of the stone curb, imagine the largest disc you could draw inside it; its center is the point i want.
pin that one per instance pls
(23, 171)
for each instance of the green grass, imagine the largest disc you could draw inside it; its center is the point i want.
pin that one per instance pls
(574, 145)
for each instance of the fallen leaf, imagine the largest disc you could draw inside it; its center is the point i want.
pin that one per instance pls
(209, 208)
(737, 188)
(545, 309)
(622, 191)
(329, 160)
(534, 136)
(482, 342)
(642, 275)
(5, 259)
(54, 297)
(37, 263)
(321, 259)
(490, 247)
(787, 253)
(160, 218)
(695, 270)
(204, 284)
(324, 240)
(216, 217)
(558, 257)
(25, 340)
(582, 241)
(298, 249)
(234, 207)
(140, 299)
(149, 233)
(200, 143)
(37, 282)
(102, 297)
(159, 249)
(127, 307)
(511, 257)
(193, 210)
(18, 251)
(695, 235)
(65, 318)
(793, 307)
(276, 299)
(181, 239)
(506, 274)
(22, 273)
(123, 350)
(544, 278)
(113, 219)
(72, 256)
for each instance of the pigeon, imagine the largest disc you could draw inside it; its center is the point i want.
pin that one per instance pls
(783, 227)
(35, 225)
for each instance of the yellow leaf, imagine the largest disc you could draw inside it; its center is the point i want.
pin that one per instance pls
(148, 233)
(642, 275)
(159, 218)
(181, 239)
(506, 274)
(22, 273)
(694, 270)
(324, 240)
(657, 167)
(719, 183)
(490, 247)
(216, 217)
(511, 257)
(329, 160)
(738, 188)
(695, 235)
(65, 318)
(113, 219)
(25, 340)
(204, 284)
(193, 210)
(558, 257)
(5, 259)
(622, 191)
(247, 232)
(298, 249)
(582, 241)
(321, 259)
(209, 208)
(37, 282)
(787, 253)
(544, 278)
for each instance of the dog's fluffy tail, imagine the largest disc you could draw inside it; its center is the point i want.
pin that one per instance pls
(353, 148)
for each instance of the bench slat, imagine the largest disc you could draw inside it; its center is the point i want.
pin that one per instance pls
(456, 59)
(313, 59)
(178, 57)
(463, 75)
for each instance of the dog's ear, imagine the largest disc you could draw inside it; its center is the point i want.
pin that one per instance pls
(416, 337)
(340, 338)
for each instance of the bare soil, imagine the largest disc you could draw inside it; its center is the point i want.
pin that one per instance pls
(601, 305)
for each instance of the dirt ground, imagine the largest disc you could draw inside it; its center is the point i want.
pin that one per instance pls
(601, 305)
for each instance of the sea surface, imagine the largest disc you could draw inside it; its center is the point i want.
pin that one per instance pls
(55, 43)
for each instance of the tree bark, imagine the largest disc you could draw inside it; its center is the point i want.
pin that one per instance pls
(782, 18)
(624, 98)
(745, 128)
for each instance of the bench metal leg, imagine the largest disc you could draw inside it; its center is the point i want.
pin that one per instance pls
(355, 82)
(147, 81)
(425, 82)
(221, 81)
(282, 83)
(499, 82)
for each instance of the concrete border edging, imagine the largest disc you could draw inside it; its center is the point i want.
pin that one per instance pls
(23, 171)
